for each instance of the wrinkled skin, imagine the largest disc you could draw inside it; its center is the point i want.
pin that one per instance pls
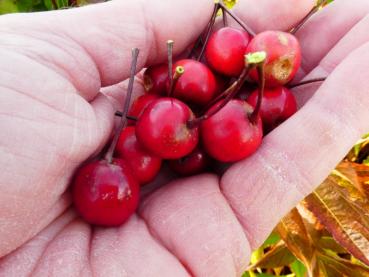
(52, 118)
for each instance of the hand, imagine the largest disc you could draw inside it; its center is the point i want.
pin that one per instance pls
(53, 117)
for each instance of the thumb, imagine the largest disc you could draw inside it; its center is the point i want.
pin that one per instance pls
(91, 46)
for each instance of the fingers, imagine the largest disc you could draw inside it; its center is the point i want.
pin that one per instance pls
(298, 155)
(263, 15)
(191, 218)
(22, 261)
(131, 251)
(69, 247)
(323, 31)
(93, 44)
(348, 42)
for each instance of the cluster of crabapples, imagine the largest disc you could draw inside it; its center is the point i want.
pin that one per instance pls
(214, 105)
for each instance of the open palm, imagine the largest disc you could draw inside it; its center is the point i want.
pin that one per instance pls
(52, 118)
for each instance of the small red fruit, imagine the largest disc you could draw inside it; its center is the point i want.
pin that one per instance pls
(141, 103)
(155, 79)
(226, 50)
(194, 163)
(162, 129)
(197, 85)
(277, 105)
(283, 56)
(105, 194)
(144, 165)
(228, 135)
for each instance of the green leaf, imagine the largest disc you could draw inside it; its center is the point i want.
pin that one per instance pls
(273, 238)
(8, 6)
(278, 256)
(298, 268)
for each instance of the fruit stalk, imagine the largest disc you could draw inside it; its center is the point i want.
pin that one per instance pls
(315, 80)
(237, 19)
(209, 29)
(225, 19)
(123, 121)
(199, 39)
(261, 75)
(177, 74)
(170, 64)
(228, 94)
(307, 17)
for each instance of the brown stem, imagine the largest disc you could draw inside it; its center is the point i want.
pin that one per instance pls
(123, 122)
(120, 114)
(54, 4)
(209, 30)
(308, 82)
(225, 19)
(230, 93)
(170, 64)
(199, 40)
(251, 60)
(237, 19)
(261, 77)
(308, 16)
(177, 74)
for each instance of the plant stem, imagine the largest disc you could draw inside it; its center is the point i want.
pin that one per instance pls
(123, 122)
(237, 19)
(261, 77)
(120, 114)
(229, 94)
(251, 60)
(307, 17)
(308, 82)
(170, 64)
(225, 19)
(208, 31)
(199, 39)
(177, 74)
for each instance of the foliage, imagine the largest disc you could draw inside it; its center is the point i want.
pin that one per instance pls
(327, 234)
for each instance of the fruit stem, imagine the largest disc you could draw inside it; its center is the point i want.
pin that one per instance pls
(123, 121)
(170, 63)
(261, 77)
(209, 30)
(307, 17)
(237, 19)
(229, 94)
(308, 82)
(225, 19)
(199, 40)
(177, 74)
(252, 60)
(120, 114)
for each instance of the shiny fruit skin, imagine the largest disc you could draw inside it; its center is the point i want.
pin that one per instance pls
(162, 129)
(105, 194)
(141, 103)
(194, 163)
(226, 49)
(144, 166)
(278, 104)
(155, 79)
(197, 85)
(229, 136)
(283, 56)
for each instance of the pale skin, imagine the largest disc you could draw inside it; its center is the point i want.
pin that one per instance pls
(53, 117)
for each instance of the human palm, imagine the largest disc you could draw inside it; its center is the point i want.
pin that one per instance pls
(52, 118)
